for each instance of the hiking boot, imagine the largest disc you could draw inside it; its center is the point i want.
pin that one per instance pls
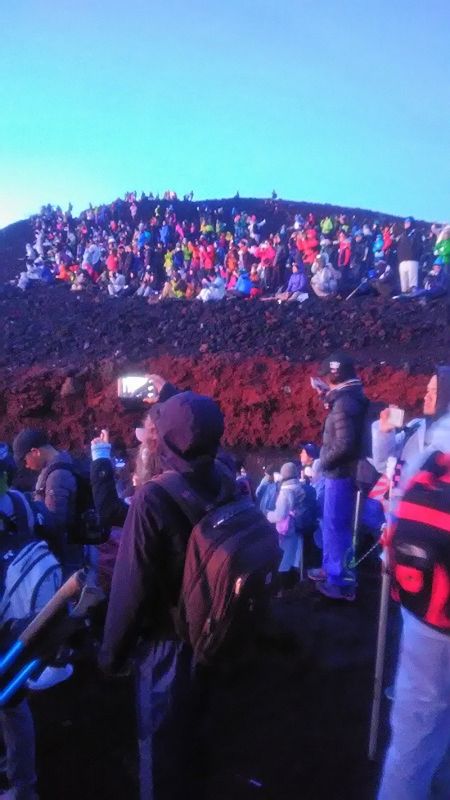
(334, 592)
(317, 574)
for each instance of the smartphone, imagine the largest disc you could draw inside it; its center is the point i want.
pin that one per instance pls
(136, 387)
(396, 417)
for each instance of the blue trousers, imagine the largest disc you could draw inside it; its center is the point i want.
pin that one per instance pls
(417, 765)
(338, 510)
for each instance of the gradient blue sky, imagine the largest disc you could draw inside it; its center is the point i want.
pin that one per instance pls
(337, 101)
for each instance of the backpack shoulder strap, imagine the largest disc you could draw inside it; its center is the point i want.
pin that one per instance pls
(178, 489)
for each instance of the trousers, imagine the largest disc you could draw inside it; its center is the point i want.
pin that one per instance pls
(409, 275)
(163, 705)
(18, 732)
(338, 510)
(417, 765)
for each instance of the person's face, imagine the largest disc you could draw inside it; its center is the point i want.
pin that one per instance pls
(429, 403)
(305, 459)
(407, 224)
(33, 460)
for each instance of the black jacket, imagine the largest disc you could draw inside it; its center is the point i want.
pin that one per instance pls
(111, 509)
(149, 567)
(344, 430)
(409, 246)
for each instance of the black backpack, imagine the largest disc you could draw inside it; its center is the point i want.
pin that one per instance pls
(86, 528)
(231, 561)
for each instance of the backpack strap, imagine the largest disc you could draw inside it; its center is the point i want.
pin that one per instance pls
(194, 506)
(39, 583)
(178, 489)
(52, 468)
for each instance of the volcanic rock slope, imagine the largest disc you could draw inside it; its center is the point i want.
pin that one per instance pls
(61, 353)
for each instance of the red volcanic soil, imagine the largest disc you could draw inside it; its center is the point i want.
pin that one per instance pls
(266, 401)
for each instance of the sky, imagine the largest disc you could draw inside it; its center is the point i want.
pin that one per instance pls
(337, 101)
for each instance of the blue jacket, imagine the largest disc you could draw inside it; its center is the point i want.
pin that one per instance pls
(244, 283)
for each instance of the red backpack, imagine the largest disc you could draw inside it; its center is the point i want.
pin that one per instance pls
(420, 544)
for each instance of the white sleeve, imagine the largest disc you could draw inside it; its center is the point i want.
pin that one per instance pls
(385, 445)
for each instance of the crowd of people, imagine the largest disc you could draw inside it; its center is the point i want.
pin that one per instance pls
(166, 248)
(186, 554)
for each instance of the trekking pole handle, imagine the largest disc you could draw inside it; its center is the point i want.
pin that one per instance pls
(71, 588)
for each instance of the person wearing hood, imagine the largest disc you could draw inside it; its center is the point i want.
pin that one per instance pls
(408, 445)
(147, 582)
(288, 509)
(409, 250)
(341, 450)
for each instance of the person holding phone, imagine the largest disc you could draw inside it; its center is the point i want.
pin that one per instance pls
(409, 443)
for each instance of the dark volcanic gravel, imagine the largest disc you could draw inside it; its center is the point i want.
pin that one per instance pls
(54, 326)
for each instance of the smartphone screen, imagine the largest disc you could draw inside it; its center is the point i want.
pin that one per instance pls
(134, 386)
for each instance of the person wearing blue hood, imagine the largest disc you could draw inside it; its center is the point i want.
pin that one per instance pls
(243, 285)
(146, 585)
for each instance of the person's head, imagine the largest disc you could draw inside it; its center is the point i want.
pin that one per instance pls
(337, 368)
(309, 452)
(269, 471)
(32, 447)
(437, 398)
(294, 267)
(408, 223)
(430, 399)
(189, 428)
(289, 471)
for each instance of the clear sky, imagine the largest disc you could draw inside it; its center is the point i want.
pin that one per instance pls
(339, 101)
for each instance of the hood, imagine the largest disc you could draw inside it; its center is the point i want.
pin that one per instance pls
(443, 392)
(189, 427)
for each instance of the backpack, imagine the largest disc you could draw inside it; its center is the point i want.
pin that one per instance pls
(420, 544)
(305, 512)
(32, 578)
(85, 528)
(231, 560)
(15, 531)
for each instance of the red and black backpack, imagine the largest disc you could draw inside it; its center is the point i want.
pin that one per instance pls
(420, 545)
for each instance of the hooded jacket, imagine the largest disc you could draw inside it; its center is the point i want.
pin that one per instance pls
(149, 568)
(344, 429)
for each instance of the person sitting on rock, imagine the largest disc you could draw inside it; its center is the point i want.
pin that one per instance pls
(243, 284)
(117, 284)
(212, 289)
(256, 290)
(297, 286)
(325, 278)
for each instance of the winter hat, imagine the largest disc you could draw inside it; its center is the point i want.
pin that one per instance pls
(339, 364)
(311, 449)
(289, 470)
(26, 440)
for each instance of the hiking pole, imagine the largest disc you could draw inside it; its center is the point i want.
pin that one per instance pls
(382, 630)
(356, 521)
(379, 664)
(360, 285)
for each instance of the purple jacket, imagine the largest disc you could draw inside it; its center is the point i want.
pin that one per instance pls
(297, 282)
